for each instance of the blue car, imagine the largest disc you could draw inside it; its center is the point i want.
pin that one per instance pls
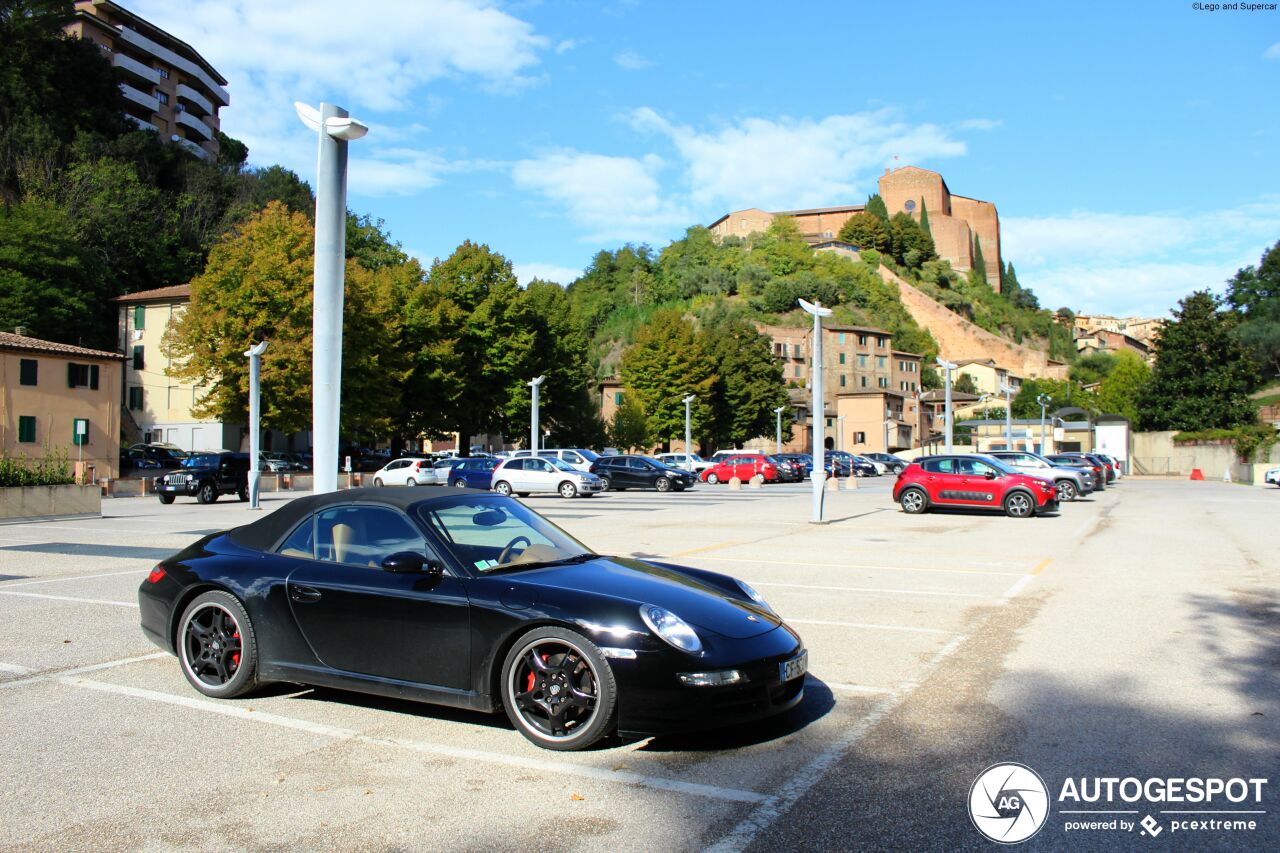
(474, 473)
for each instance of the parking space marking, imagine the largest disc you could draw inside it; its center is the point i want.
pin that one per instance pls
(77, 578)
(625, 777)
(870, 626)
(856, 689)
(71, 598)
(15, 669)
(862, 566)
(1016, 589)
(728, 544)
(1042, 565)
(93, 667)
(871, 590)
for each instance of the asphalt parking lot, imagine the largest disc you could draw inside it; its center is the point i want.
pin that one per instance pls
(1134, 632)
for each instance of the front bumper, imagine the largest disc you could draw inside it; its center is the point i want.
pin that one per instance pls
(188, 488)
(1050, 504)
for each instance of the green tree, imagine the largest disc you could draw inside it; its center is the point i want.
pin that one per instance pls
(629, 428)
(966, 385)
(876, 207)
(558, 351)
(1061, 393)
(912, 246)
(979, 273)
(49, 283)
(1254, 294)
(924, 218)
(1203, 375)
(866, 231)
(1093, 368)
(751, 384)
(258, 284)
(470, 337)
(668, 361)
(1123, 386)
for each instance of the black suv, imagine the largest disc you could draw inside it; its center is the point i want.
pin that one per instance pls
(206, 476)
(640, 472)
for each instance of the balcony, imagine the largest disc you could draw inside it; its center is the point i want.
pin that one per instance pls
(135, 69)
(194, 101)
(191, 146)
(143, 43)
(188, 120)
(144, 125)
(148, 102)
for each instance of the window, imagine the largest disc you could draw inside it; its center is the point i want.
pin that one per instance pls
(842, 340)
(139, 317)
(864, 381)
(162, 97)
(842, 358)
(28, 368)
(862, 340)
(828, 421)
(573, 458)
(798, 368)
(82, 375)
(617, 398)
(795, 350)
(859, 438)
(164, 73)
(881, 362)
(880, 341)
(862, 361)
(365, 536)
(26, 428)
(80, 431)
(842, 380)
(939, 466)
(138, 360)
(135, 397)
(884, 383)
(301, 543)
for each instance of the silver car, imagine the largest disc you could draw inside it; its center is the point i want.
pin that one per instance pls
(527, 474)
(1071, 482)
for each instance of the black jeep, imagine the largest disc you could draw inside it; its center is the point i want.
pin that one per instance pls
(206, 476)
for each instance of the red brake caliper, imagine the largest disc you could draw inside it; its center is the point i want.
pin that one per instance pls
(235, 656)
(531, 676)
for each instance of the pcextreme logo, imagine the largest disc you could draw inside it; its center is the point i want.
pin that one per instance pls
(1009, 803)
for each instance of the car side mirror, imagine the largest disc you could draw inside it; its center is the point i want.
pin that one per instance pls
(990, 475)
(411, 562)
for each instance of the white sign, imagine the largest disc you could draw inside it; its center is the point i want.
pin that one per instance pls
(348, 465)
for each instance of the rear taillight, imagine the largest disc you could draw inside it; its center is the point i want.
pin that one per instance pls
(417, 466)
(156, 574)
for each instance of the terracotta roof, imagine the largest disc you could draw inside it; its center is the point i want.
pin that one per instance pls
(904, 352)
(22, 343)
(175, 291)
(841, 209)
(837, 327)
(940, 396)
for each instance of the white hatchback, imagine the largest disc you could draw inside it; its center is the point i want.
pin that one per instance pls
(528, 474)
(404, 472)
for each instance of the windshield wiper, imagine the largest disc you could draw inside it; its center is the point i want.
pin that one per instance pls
(539, 564)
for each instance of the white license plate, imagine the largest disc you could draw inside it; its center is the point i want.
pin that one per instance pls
(793, 668)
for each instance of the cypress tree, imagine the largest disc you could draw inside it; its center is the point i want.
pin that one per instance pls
(924, 218)
(979, 263)
(876, 206)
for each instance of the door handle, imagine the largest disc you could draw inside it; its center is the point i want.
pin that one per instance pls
(304, 594)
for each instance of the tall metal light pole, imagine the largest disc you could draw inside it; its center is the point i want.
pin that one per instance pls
(840, 433)
(819, 409)
(533, 414)
(335, 128)
(255, 476)
(947, 367)
(688, 428)
(1043, 400)
(1008, 415)
(778, 414)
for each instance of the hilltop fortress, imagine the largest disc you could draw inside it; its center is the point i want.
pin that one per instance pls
(958, 223)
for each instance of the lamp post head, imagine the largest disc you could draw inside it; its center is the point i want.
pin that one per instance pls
(779, 410)
(346, 129)
(257, 349)
(814, 308)
(689, 399)
(946, 365)
(1044, 399)
(536, 382)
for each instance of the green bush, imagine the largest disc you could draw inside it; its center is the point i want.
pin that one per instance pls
(53, 470)
(1251, 442)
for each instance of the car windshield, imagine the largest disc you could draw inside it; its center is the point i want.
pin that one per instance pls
(589, 455)
(491, 533)
(200, 460)
(999, 464)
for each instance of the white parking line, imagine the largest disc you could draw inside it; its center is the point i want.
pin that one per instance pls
(1014, 590)
(71, 598)
(871, 590)
(75, 578)
(877, 567)
(14, 668)
(559, 768)
(63, 673)
(856, 689)
(867, 625)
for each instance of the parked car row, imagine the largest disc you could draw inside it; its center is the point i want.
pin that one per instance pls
(1018, 483)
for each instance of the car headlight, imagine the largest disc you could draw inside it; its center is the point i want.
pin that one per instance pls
(671, 628)
(753, 595)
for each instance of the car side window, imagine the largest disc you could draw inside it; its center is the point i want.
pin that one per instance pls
(301, 542)
(940, 466)
(980, 469)
(545, 466)
(514, 465)
(572, 458)
(365, 535)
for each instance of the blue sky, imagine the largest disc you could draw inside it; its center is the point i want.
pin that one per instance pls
(1129, 147)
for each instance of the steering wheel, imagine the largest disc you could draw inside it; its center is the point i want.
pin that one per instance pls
(505, 556)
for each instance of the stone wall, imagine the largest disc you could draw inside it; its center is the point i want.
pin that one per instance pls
(958, 339)
(1155, 453)
(985, 223)
(27, 503)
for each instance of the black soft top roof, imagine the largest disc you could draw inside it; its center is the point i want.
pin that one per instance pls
(264, 533)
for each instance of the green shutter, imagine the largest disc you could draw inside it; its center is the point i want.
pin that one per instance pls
(93, 376)
(28, 371)
(139, 317)
(71, 374)
(138, 360)
(26, 428)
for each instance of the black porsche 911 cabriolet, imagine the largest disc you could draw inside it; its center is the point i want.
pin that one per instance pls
(473, 600)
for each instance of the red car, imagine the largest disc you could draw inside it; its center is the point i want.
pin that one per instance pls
(972, 481)
(744, 467)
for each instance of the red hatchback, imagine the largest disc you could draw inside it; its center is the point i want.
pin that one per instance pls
(744, 467)
(972, 481)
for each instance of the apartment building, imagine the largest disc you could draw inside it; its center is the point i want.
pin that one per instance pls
(157, 407)
(169, 87)
(988, 376)
(876, 421)
(60, 399)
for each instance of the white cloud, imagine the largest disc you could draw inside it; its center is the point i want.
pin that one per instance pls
(1272, 52)
(611, 198)
(375, 62)
(629, 60)
(526, 273)
(1136, 264)
(566, 45)
(794, 163)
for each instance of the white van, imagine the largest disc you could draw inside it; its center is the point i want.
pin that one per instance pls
(574, 457)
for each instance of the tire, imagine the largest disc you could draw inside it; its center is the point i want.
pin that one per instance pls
(208, 493)
(580, 672)
(377, 481)
(222, 664)
(567, 490)
(165, 499)
(662, 484)
(522, 494)
(607, 485)
(712, 479)
(459, 483)
(914, 501)
(1066, 490)
(411, 482)
(503, 488)
(1019, 505)
(243, 494)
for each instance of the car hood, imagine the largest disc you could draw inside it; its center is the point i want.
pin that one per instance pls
(697, 602)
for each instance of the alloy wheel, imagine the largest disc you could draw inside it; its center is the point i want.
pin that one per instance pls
(555, 687)
(912, 501)
(1066, 490)
(1018, 505)
(211, 645)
